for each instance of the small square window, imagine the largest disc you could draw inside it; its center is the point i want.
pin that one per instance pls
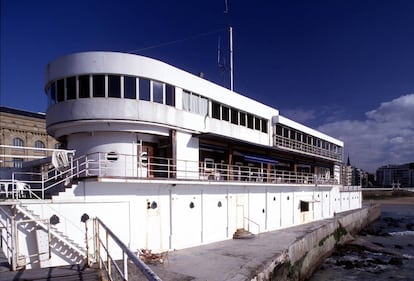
(234, 116)
(215, 108)
(98, 86)
(71, 88)
(225, 113)
(242, 118)
(170, 95)
(130, 86)
(250, 121)
(114, 86)
(60, 90)
(84, 86)
(157, 92)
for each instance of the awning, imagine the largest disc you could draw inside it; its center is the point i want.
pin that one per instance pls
(310, 201)
(259, 159)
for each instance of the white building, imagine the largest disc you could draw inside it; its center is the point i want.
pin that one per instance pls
(169, 160)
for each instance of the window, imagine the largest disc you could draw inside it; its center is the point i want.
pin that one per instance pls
(18, 142)
(60, 90)
(84, 86)
(130, 86)
(112, 156)
(71, 88)
(17, 162)
(57, 145)
(170, 95)
(242, 118)
(39, 144)
(98, 86)
(225, 113)
(157, 92)
(195, 103)
(144, 89)
(304, 206)
(52, 93)
(278, 130)
(257, 123)
(234, 116)
(215, 108)
(264, 126)
(250, 121)
(114, 86)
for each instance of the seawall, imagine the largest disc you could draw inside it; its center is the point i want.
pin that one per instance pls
(305, 254)
(287, 254)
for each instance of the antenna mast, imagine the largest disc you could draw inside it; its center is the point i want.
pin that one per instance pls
(231, 58)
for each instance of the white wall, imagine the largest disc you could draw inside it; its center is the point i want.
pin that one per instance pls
(187, 155)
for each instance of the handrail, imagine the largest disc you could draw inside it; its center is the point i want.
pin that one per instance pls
(9, 239)
(126, 253)
(253, 222)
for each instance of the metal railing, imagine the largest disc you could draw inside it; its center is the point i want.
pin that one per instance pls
(304, 147)
(130, 166)
(104, 239)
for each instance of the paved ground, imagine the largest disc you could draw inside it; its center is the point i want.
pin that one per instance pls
(232, 260)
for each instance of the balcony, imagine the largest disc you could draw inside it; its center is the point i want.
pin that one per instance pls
(294, 145)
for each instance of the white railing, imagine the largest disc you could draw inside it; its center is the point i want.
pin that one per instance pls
(304, 147)
(27, 184)
(106, 245)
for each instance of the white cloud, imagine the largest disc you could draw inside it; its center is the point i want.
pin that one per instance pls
(386, 136)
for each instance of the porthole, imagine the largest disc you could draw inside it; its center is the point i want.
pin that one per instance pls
(112, 156)
(288, 198)
(263, 211)
(219, 204)
(154, 205)
(274, 198)
(192, 205)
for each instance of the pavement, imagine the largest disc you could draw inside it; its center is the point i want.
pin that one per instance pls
(232, 260)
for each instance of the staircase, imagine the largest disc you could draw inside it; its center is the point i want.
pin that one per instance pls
(61, 243)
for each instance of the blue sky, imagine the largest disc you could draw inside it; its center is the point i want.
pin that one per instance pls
(342, 66)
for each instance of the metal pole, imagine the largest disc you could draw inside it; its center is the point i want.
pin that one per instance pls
(231, 58)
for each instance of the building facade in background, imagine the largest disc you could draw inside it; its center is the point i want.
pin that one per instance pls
(23, 129)
(396, 175)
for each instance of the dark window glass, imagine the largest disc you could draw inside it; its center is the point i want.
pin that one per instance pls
(170, 95)
(225, 113)
(52, 90)
(60, 90)
(215, 108)
(157, 92)
(250, 121)
(98, 86)
(242, 118)
(257, 123)
(17, 162)
(114, 86)
(234, 116)
(278, 130)
(264, 125)
(285, 132)
(84, 86)
(71, 88)
(144, 89)
(18, 142)
(39, 144)
(130, 87)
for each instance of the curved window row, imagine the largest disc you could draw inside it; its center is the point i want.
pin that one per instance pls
(131, 87)
(237, 117)
(110, 86)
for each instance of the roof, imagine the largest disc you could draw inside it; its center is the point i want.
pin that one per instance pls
(10, 110)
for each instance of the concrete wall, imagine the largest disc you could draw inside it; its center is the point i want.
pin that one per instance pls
(305, 254)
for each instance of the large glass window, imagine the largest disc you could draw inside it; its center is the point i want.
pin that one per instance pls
(114, 86)
(242, 118)
(71, 88)
(234, 116)
(170, 95)
(84, 86)
(157, 92)
(257, 123)
(144, 89)
(215, 110)
(250, 121)
(18, 142)
(130, 87)
(60, 90)
(195, 103)
(52, 93)
(224, 113)
(98, 86)
(264, 125)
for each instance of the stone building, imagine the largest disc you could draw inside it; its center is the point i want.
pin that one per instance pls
(23, 129)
